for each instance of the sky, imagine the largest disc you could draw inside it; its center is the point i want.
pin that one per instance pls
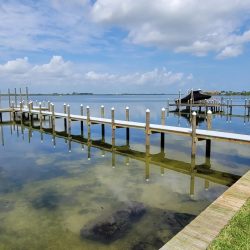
(124, 46)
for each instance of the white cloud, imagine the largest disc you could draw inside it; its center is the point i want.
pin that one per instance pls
(182, 26)
(230, 51)
(60, 75)
(45, 25)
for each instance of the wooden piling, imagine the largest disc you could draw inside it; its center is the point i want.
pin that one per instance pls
(127, 129)
(208, 142)
(102, 125)
(88, 122)
(9, 98)
(81, 123)
(147, 128)
(15, 98)
(27, 95)
(194, 139)
(65, 120)
(40, 115)
(113, 125)
(52, 107)
(69, 120)
(163, 119)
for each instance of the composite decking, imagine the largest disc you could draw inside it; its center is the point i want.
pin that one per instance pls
(153, 128)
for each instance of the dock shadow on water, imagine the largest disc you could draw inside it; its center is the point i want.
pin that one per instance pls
(96, 197)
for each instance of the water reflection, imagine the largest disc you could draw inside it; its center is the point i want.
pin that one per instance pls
(123, 199)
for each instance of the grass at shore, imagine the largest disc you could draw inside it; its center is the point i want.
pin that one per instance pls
(236, 235)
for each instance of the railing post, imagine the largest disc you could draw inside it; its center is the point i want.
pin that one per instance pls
(147, 128)
(193, 152)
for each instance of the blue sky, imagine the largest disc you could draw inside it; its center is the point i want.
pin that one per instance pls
(124, 46)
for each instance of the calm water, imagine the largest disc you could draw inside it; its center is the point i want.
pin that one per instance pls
(57, 193)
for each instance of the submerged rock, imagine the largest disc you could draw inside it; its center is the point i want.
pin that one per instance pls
(176, 221)
(49, 199)
(115, 225)
(168, 224)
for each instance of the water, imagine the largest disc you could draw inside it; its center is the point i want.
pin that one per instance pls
(54, 191)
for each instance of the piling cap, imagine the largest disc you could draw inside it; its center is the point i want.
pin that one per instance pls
(209, 111)
(40, 103)
(194, 113)
(147, 110)
(112, 108)
(102, 106)
(87, 107)
(68, 105)
(81, 105)
(163, 109)
(64, 104)
(127, 107)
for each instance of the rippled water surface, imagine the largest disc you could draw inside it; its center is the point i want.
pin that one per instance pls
(80, 192)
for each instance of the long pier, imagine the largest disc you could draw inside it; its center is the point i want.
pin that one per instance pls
(149, 128)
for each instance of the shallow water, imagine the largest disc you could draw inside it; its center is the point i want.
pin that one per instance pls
(52, 186)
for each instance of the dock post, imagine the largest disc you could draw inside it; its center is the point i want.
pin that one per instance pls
(168, 103)
(147, 128)
(88, 122)
(27, 94)
(31, 114)
(65, 120)
(208, 142)
(21, 96)
(127, 129)
(9, 98)
(53, 117)
(113, 125)
(69, 120)
(15, 98)
(231, 107)
(103, 126)
(227, 106)
(81, 123)
(40, 115)
(248, 107)
(193, 152)
(163, 119)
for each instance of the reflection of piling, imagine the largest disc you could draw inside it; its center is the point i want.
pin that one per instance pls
(163, 119)
(127, 129)
(147, 160)
(192, 179)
